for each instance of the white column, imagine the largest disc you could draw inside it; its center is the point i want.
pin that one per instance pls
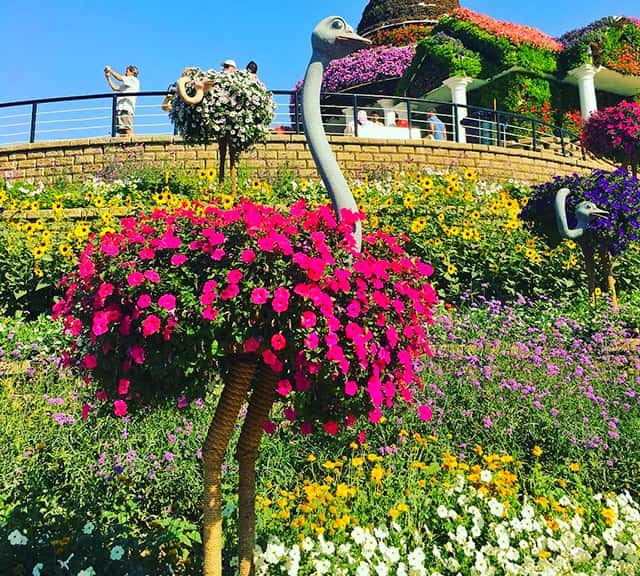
(586, 87)
(348, 120)
(389, 114)
(458, 86)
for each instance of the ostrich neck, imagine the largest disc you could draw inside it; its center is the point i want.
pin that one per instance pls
(561, 219)
(323, 157)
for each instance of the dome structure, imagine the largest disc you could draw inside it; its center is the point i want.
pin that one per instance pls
(382, 14)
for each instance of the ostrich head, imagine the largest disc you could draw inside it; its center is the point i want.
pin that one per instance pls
(585, 212)
(333, 38)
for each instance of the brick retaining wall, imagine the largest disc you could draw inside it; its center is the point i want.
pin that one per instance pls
(78, 159)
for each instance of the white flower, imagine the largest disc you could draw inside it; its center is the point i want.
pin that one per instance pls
(381, 533)
(88, 528)
(17, 538)
(486, 476)
(416, 558)
(117, 552)
(307, 544)
(322, 566)
(442, 511)
(87, 572)
(275, 550)
(363, 569)
(326, 547)
(496, 508)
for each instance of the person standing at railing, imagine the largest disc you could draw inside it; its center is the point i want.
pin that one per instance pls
(436, 129)
(126, 105)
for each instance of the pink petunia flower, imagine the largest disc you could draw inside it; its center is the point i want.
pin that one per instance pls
(144, 301)
(123, 386)
(278, 341)
(90, 361)
(137, 354)
(152, 276)
(167, 301)
(284, 387)
(178, 259)
(425, 413)
(331, 427)
(135, 278)
(259, 295)
(120, 408)
(150, 325)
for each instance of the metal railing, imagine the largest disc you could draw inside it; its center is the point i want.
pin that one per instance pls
(93, 115)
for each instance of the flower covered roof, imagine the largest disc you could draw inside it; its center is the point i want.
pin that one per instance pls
(516, 33)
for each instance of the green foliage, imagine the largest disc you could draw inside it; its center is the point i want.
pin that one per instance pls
(437, 57)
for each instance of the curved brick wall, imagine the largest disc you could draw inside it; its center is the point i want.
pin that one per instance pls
(77, 159)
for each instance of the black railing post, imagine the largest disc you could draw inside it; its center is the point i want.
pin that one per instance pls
(355, 115)
(114, 114)
(562, 147)
(34, 115)
(456, 128)
(409, 121)
(296, 110)
(534, 136)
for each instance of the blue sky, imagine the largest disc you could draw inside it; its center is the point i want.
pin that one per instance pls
(57, 48)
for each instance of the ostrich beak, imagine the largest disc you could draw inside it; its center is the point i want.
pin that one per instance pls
(353, 40)
(599, 213)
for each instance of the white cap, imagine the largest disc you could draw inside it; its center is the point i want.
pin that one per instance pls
(230, 62)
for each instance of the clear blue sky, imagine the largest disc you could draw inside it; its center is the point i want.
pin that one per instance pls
(60, 47)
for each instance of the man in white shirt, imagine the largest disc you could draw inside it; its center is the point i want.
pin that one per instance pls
(125, 106)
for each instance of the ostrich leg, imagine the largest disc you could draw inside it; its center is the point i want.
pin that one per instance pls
(222, 160)
(233, 396)
(260, 404)
(233, 169)
(589, 264)
(605, 258)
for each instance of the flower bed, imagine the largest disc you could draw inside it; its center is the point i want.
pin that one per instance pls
(367, 66)
(613, 42)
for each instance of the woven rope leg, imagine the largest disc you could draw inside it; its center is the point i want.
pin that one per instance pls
(591, 272)
(215, 445)
(247, 453)
(605, 258)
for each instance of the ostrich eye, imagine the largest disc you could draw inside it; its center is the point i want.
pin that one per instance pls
(338, 24)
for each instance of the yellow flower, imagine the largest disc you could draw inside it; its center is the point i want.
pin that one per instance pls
(65, 250)
(211, 174)
(451, 269)
(544, 554)
(202, 174)
(574, 467)
(470, 174)
(374, 221)
(493, 267)
(571, 245)
(597, 291)
(99, 202)
(409, 200)
(226, 201)
(38, 252)
(387, 202)
(609, 516)
(357, 462)
(256, 184)
(537, 451)
(377, 474)
(418, 224)
(467, 234)
(57, 206)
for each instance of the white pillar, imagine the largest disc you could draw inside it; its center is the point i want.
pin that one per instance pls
(586, 88)
(458, 86)
(389, 114)
(349, 122)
